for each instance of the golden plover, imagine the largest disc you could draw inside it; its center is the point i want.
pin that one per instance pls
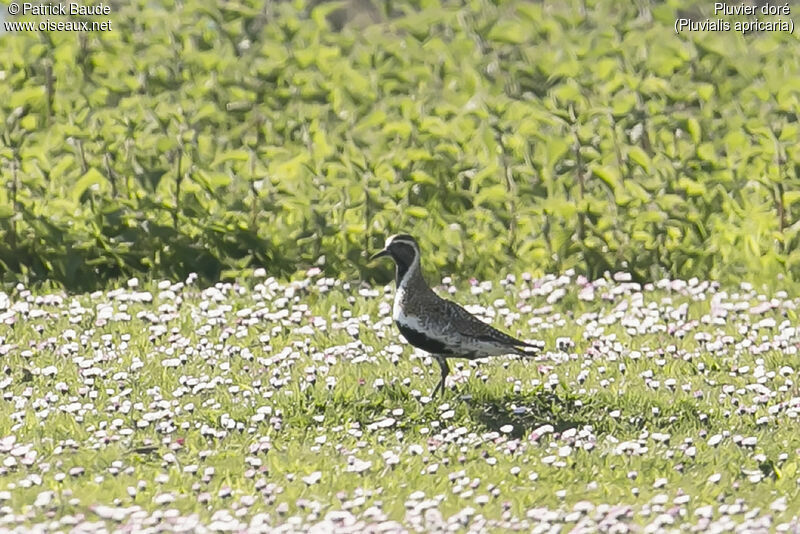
(436, 325)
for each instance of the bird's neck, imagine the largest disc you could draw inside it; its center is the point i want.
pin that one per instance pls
(410, 275)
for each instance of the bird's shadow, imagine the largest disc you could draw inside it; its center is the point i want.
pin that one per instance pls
(492, 410)
(525, 412)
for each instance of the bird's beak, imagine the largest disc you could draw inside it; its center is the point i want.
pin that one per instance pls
(380, 254)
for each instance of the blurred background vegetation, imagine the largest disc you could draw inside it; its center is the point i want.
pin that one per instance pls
(508, 136)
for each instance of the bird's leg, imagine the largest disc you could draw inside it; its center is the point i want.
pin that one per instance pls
(445, 371)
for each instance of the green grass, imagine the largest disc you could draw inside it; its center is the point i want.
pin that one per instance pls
(508, 135)
(601, 395)
(582, 134)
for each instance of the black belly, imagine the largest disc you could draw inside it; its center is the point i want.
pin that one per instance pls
(421, 341)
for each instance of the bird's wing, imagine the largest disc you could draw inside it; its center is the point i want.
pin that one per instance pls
(467, 324)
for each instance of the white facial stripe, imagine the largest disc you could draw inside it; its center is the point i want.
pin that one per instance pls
(402, 240)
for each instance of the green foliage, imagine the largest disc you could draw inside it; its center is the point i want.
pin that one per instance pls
(216, 138)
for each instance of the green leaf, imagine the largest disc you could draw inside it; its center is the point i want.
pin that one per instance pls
(669, 202)
(557, 147)
(91, 179)
(400, 129)
(511, 31)
(491, 195)
(609, 175)
(32, 96)
(637, 191)
(650, 216)
(693, 188)
(790, 198)
(29, 122)
(640, 157)
(64, 164)
(231, 155)
(417, 211)
(706, 152)
(693, 127)
(321, 11)
(705, 91)
(212, 181)
(422, 177)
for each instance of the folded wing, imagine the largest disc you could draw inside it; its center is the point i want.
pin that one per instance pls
(468, 325)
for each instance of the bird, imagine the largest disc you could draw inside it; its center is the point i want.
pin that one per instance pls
(436, 325)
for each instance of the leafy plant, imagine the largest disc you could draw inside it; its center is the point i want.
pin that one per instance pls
(214, 139)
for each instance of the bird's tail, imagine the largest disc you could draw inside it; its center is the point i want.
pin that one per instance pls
(532, 349)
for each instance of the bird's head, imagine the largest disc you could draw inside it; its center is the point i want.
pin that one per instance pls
(402, 248)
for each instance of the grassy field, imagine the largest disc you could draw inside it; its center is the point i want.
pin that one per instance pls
(263, 404)
(274, 143)
(554, 135)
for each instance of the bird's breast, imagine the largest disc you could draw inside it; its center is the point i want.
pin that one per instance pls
(397, 308)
